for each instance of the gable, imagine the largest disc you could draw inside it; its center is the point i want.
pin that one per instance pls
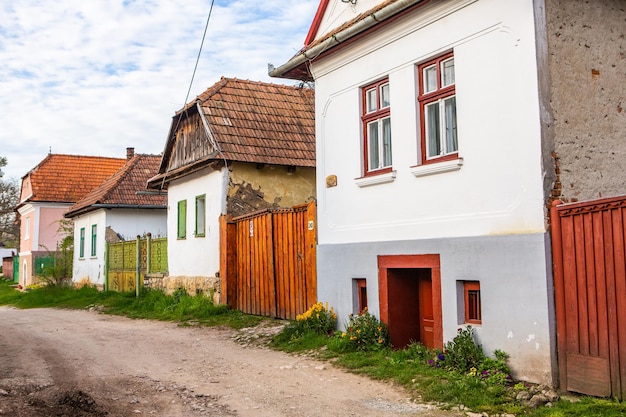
(334, 13)
(241, 121)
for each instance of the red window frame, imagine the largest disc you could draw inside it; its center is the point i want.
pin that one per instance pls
(436, 95)
(472, 301)
(361, 288)
(378, 114)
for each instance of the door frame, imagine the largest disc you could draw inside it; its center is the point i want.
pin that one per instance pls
(429, 261)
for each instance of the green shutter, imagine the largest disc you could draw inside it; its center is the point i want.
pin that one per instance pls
(182, 219)
(94, 235)
(82, 242)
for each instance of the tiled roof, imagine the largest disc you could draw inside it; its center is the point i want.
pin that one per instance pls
(262, 122)
(255, 122)
(67, 178)
(125, 188)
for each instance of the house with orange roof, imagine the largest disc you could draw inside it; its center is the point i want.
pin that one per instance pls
(120, 208)
(239, 147)
(47, 192)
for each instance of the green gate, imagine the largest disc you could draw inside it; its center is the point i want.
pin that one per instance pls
(121, 262)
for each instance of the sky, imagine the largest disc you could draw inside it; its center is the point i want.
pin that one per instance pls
(96, 77)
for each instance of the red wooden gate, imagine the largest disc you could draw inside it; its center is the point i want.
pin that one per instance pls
(267, 261)
(588, 243)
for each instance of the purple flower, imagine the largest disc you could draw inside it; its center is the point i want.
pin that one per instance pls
(441, 356)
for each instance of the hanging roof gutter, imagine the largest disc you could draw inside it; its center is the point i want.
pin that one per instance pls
(296, 67)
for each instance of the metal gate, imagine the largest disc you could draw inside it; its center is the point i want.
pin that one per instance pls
(588, 245)
(121, 262)
(267, 261)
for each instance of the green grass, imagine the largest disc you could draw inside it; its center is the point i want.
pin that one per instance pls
(407, 367)
(179, 307)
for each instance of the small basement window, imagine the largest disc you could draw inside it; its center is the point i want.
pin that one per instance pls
(472, 302)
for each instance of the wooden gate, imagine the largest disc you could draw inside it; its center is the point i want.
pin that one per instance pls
(267, 261)
(590, 293)
(121, 262)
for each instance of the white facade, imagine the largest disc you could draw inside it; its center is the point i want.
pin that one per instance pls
(127, 222)
(196, 256)
(482, 213)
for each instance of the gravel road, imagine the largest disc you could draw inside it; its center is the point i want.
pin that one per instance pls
(86, 364)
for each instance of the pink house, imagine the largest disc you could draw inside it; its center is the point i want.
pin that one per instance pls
(47, 192)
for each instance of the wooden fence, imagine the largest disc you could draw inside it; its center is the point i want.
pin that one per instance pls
(122, 272)
(267, 261)
(588, 246)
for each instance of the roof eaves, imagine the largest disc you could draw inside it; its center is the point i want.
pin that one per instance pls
(297, 67)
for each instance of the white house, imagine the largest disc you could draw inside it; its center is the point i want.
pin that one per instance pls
(121, 208)
(435, 161)
(239, 147)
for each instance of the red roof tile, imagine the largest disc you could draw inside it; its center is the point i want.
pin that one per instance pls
(254, 122)
(125, 188)
(67, 178)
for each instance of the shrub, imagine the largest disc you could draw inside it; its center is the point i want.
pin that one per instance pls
(365, 332)
(463, 353)
(317, 319)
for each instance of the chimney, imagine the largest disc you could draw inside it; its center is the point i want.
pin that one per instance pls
(130, 152)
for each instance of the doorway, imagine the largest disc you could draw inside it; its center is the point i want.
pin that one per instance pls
(410, 299)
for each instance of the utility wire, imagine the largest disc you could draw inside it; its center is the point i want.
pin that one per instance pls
(199, 52)
(193, 75)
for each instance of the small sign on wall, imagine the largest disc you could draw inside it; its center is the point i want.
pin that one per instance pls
(251, 228)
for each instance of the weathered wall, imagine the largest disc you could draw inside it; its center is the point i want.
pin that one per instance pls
(211, 287)
(587, 58)
(252, 188)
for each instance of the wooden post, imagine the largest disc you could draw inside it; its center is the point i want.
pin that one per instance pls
(148, 251)
(228, 261)
(138, 266)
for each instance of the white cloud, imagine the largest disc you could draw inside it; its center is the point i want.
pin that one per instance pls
(92, 78)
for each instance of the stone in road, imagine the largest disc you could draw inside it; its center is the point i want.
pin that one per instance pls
(85, 364)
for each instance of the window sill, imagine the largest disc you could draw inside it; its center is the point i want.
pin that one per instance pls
(376, 179)
(199, 235)
(437, 167)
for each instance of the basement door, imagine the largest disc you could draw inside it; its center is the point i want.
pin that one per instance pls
(410, 299)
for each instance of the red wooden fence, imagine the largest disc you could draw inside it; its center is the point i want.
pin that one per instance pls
(588, 243)
(267, 261)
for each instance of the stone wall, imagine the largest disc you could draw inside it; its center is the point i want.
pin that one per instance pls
(587, 60)
(209, 286)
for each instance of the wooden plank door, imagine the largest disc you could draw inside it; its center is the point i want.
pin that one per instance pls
(590, 295)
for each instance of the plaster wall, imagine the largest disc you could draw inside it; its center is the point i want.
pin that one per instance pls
(88, 267)
(338, 12)
(587, 58)
(195, 255)
(133, 222)
(499, 186)
(27, 227)
(253, 188)
(514, 267)
(50, 217)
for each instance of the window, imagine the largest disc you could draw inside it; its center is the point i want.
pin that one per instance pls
(200, 215)
(81, 251)
(182, 219)
(94, 235)
(471, 290)
(437, 99)
(376, 118)
(360, 287)
(27, 229)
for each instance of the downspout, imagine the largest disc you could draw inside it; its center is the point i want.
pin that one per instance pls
(336, 39)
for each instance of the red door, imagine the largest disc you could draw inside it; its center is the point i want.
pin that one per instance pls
(426, 317)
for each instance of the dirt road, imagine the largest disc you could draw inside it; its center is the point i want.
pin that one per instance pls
(86, 364)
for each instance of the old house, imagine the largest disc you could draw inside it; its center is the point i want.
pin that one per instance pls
(444, 131)
(47, 192)
(239, 147)
(120, 208)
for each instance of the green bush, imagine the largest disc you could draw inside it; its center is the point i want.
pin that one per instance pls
(365, 332)
(463, 353)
